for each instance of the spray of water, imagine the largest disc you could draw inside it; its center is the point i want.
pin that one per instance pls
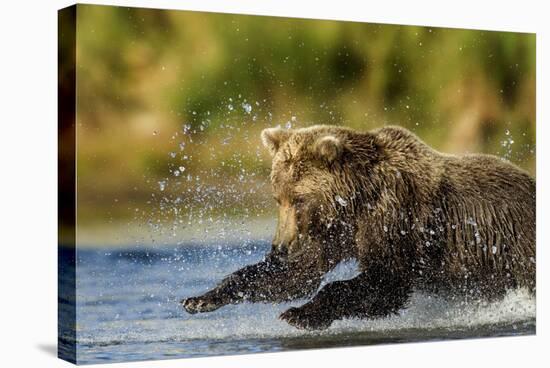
(197, 204)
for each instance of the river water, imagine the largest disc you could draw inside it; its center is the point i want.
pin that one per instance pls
(127, 309)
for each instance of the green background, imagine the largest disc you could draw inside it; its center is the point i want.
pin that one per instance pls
(160, 89)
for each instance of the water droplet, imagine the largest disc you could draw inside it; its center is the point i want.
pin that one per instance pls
(341, 201)
(247, 107)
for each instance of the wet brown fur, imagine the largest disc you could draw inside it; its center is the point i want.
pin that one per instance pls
(413, 217)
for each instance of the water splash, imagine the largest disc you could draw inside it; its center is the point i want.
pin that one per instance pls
(138, 303)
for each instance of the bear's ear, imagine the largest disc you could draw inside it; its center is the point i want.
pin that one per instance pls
(272, 138)
(328, 148)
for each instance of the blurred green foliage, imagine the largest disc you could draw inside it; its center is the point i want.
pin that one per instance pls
(143, 73)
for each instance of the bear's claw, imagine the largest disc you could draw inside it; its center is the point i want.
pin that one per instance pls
(303, 318)
(199, 305)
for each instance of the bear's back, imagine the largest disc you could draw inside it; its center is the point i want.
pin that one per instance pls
(481, 206)
(488, 220)
(488, 177)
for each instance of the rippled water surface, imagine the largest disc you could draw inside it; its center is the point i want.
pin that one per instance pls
(127, 309)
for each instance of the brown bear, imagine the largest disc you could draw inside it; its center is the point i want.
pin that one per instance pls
(413, 218)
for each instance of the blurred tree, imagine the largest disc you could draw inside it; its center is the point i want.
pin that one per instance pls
(143, 74)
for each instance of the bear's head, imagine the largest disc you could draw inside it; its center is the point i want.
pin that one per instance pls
(314, 184)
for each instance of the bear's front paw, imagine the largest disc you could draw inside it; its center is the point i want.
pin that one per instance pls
(306, 318)
(200, 304)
